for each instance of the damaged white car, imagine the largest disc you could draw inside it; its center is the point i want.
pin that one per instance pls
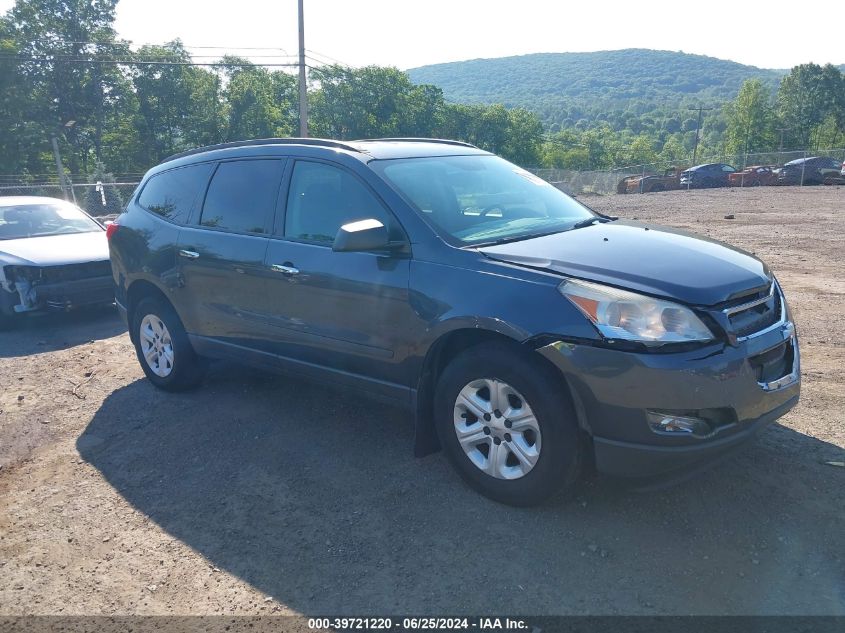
(53, 256)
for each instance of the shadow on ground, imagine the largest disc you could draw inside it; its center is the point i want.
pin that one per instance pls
(39, 333)
(313, 497)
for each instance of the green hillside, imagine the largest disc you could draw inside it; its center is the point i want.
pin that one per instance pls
(563, 88)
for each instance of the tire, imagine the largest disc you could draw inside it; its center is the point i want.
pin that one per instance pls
(172, 364)
(657, 187)
(551, 452)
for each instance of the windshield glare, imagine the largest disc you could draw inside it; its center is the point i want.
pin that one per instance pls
(40, 219)
(479, 199)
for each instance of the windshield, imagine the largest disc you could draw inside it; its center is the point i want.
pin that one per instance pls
(482, 199)
(40, 219)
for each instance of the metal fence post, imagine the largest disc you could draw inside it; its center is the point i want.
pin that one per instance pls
(803, 167)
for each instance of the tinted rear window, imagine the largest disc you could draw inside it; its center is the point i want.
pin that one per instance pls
(242, 195)
(172, 194)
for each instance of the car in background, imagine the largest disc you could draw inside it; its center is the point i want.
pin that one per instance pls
(53, 256)
(754, 176)
(668, 181)
(706, 176)
(813, 170)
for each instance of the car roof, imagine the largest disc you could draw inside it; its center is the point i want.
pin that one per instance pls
(798, 161)
(364, 149)
(16, 201)
(703, 165)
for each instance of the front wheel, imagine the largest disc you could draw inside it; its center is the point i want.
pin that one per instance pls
(507, 424)
(162, 346)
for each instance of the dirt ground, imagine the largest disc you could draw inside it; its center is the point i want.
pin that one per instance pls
(258, 494)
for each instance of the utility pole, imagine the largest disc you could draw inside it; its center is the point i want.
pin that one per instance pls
(303, 90)
(697, 130)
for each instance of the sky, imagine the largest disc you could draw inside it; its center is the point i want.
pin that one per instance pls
(410, 33)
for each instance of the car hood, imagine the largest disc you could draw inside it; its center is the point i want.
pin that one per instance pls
(654, 260)
(55, 250)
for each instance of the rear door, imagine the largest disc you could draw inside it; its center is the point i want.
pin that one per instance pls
(221, 253)
(348, 313)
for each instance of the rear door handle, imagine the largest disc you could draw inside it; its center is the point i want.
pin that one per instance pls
(285, 270)
(188, 254)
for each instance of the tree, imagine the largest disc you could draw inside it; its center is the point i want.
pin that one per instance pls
(71, 92)
(807, 95)
(259, 103)
(750, 120)
(371, 102)
(179, 106)
(674, 150)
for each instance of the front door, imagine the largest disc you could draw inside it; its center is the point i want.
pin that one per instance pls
(345, 312)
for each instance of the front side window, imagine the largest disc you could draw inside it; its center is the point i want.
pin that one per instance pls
(322, 198)
(42, 219)
(242, 195)
(172, 194)
(481, 199)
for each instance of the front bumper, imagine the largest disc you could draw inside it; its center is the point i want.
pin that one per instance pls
(614, 391)
(66, 295)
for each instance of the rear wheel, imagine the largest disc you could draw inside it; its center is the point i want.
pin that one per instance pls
(507, 424)
(162, 346)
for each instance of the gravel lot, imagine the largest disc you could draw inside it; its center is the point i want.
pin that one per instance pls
(258, 494)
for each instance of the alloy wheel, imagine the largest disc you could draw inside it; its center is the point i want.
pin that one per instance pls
(497, 429)
(156, 345)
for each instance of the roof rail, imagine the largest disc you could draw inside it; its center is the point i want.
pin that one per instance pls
(320, 142)
(413, 139)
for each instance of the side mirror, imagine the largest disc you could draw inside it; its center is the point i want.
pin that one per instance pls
(363, 235)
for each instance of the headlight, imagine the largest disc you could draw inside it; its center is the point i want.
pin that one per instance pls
(619, 314)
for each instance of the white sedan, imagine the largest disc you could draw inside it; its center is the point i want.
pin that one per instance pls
(53, 256)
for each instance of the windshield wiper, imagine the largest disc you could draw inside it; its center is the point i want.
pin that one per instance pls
(589, 222)
(515, 238)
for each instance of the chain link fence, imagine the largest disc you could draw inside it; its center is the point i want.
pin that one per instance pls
(109, 198)
(629, 179)
(97, 198)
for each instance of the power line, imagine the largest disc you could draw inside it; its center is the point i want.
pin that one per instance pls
(164, 45)
(325, 57)
(135, 62)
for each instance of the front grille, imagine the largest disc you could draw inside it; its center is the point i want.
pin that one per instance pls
(755, 313)
(75, 272)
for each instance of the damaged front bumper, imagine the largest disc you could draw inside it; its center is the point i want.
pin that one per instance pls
(59, 287)
(655, 414)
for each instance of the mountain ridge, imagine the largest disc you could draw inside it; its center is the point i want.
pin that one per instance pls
(564, 87)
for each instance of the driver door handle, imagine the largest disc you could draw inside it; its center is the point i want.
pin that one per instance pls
(188, 254)
(285, 270)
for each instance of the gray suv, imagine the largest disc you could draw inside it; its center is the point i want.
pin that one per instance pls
(528, 336)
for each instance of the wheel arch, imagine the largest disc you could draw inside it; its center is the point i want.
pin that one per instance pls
(445, 348)
(137, 291)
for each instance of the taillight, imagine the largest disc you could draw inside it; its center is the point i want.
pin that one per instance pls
(111, 229)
